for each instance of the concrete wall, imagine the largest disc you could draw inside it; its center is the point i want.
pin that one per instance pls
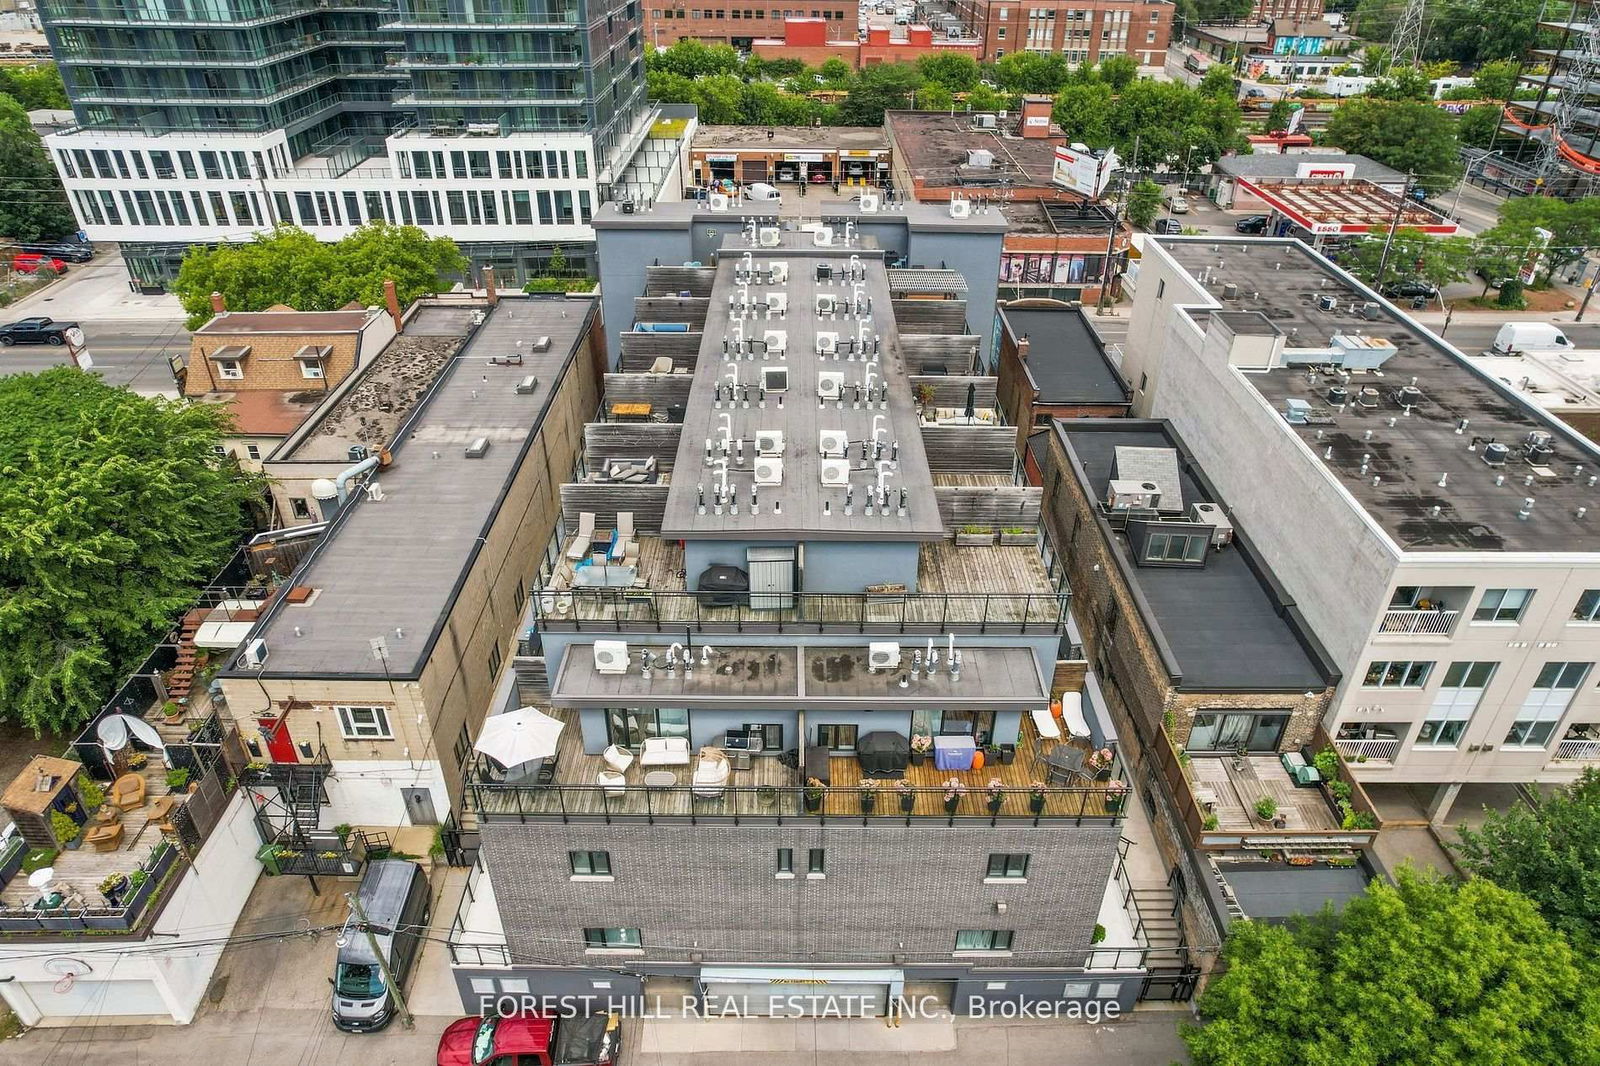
(711, 889)
(976, 257)
(623, 256)
(201, 910)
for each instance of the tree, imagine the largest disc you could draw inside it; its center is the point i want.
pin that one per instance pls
(1412, 255)
(114, 512)
(1495, 80)
(1083, 111)
(1408, 135)
(1218, 83)
(1423, 971)
(935, 98)
(878, 88)
(758, 67)
(1480, 125)
(1549, 850)
(957, 73)
(1573, 225)
(34, 87)
(1375, 61)
(33, 205)
(694, 59)
(289, 266)
(1402, 83)
(1281, 112)
(1144, 203)
(834, 71)
(1118, 71)
(1030, 72)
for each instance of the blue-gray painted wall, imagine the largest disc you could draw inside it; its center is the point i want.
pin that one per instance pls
(624, 255)
(830, 565)
(976, 256)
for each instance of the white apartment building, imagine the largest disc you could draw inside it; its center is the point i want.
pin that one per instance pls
(1430, 522)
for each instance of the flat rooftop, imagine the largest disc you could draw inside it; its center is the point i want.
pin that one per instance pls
(1282, 280)
(1223, 625)
(236, 322)
(778, 138)
(1067, 217)
(1066, 358)
(391, 568)
(1275, 165)
(810, 508)
(933, 145)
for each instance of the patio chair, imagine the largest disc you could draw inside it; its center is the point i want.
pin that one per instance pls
(618, 759)
(711, 771)
(547, 773)
(127, 792)
(584, 537)
(624, 542)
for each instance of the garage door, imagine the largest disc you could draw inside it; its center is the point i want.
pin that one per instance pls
(784, 999)
(92, 999)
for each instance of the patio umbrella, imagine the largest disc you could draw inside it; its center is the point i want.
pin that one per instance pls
(972, 401)
(519, 736)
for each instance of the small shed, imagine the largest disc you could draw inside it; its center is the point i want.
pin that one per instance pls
(46, 784)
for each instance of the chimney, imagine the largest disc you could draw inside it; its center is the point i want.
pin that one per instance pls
(1036, 116)
(219, 305)
(392, 299)
(488, 286)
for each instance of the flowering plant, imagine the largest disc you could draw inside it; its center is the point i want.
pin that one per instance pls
(922, 743)
(1100, 760)
(954, 790)
(996, 788)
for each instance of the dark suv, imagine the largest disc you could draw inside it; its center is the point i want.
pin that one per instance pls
(1410, 289)
(72, 252)
(38, 330)
(1251, 224)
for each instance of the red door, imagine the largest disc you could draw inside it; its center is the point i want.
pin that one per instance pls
(279, 744)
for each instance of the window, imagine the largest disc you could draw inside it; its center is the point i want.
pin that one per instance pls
(785, 862)
(1502, 605)
(311, 368)
(252, 451)
(357, 723)
(1011, 865)
(1397, 674)
(495, 658)
(1150, 37)
(817, 863)
(580, 163)
(1546, 702)
(983, 940)
(598, 939)
(590, 863)
(299, 507)
(1000, 34)
(1588, 606)
(462, 749)
(1454, 703)
(208, 163)
(478, 164)
(229, 370)
(1175, 547)
(837, 737)
(1405, 597)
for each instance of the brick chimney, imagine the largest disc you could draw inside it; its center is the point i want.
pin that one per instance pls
(488, 286)
(392, 300)
(219, 305)
(1036, 116)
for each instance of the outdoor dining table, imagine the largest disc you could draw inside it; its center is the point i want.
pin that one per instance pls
(1064, 761)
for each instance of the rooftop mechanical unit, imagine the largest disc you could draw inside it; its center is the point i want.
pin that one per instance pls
(883, 655)
(610, 656)
(1209, 514)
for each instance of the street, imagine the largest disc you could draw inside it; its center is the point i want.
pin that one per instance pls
(1472, 335)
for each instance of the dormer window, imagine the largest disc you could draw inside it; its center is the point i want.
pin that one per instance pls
(229, 360)
(313, 360)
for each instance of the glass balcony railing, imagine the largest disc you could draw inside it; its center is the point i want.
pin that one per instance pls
(563, 57)
(421, 96)
(89, 53)
(233, 13)
(533, 17)
(167, 94)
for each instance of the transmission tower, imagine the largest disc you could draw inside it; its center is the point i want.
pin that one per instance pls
(1405, 44)
(1577, 82)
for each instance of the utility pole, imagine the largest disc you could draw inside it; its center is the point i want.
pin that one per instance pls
(383, 964)
(1106, 272)
(1394, 224)
(1588, 294)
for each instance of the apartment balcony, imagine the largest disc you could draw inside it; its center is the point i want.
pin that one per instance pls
(1379, 749)
(174, 94)
(420, 96)
(1411, 623)
(235, 15)
(90, 54)
(519, 60)
(555, 16)
(1581, 744)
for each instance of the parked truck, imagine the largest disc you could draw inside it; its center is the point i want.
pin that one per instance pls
(532, 1040)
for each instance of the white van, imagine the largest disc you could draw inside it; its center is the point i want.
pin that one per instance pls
(760, 190)
(1515, 338)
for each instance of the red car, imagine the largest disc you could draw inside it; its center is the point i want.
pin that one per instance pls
(28, 262)
(532, 1040)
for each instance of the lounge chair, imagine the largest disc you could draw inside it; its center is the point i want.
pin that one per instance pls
(623, 540)
(107, 836)
(585, 536)
(618, 759)
(127, 792)
(711, 772)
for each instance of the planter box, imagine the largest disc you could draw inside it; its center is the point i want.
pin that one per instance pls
(1018, 540)
(974, 540)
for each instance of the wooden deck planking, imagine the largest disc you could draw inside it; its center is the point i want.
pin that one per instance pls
(1263, 775)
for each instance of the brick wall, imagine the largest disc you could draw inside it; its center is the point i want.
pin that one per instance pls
(889, 890)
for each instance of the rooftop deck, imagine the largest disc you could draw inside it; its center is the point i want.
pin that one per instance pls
(769, 790)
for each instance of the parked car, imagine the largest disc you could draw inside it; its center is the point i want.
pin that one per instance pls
(532, 1040)
(1410, 289)
(1166, 225)
(1251, 224)
(1255, 94)
(1179, 205)
(394, 896)
(1514, 338)
(72, 253)
(38, 330)
(30, 262)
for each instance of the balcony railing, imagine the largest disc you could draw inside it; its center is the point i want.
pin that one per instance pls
(627, 609)
(1383, 750)
(1084, 805)
(1435, 623)
(564, 57)
(413, 19)
(1582, 750)
(470, 947)
(237, 14)
(89, 52)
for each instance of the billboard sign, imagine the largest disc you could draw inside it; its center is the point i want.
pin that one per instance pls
(1081, 171)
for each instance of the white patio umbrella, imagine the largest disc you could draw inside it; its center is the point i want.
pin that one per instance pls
(519, 736)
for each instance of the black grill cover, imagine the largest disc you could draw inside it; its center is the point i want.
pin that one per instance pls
(883, 753)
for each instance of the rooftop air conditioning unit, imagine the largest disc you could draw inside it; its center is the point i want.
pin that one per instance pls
(869, 203)
(768, 237)
(357, 453)
(883, 655)
(255, 654)
(1133, 496)
(769, 442)
(1209, 514)
(827, 303)
(717, 202)
(835, 472)
(777, 302)
(780, 273)
(822, 237)
(776, 339)
(830, 384)
(980, 157)
(610, 656)
(769, 470)
(827, 343)
(984, 122)
(960, 208)
(1495, 454)
(1539, 438)
(478, 448)
(833, 443)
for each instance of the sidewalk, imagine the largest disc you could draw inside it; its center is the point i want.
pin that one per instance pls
(98, 290)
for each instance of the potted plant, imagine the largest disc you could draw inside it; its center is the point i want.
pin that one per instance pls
(171, 711)
(869, 794)
(66, 830)
(112, 887)
(925, 394)
(1099, 762)
(1008, 754)
(138, 760)
(1036, 797)
(342, 831)
(908, 798)
(1017, 537)
(767, 796)
(996, 791)
(953, 791)
(921, 745)
(137, 879)
(974, 536)
(1116, 796)
(1098, 935)
(1209, 822)
(177, 781)
(813, 795)
(90, 792)
(1266, 807)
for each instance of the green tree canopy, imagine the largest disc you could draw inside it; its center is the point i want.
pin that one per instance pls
(33, 205)
(694, 59)
(834, 71)
(878, 88)
(1402, 83)
(957, 73)
(1573, 225)
(1495, 80)
(114, 512)
(1480, 125)
(1421, 972)
(1118, 71)
(1549, 850)
(289, 266)
(1144, 203)
(38, 86)
(1413, 255)
(1408, 135)
(1030, 72)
